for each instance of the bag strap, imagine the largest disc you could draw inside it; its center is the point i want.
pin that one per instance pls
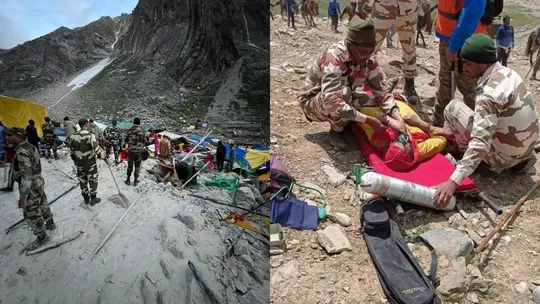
(433, 266)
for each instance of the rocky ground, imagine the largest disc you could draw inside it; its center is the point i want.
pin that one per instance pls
(146, 258)
(306, 273)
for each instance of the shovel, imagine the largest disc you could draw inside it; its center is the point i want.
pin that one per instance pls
(120, 195)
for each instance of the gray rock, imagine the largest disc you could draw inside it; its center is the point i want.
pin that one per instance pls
(449, 242)
(334, 176)
(22, 271)
(473, 298)
(456, 281)
(166, 268)
(536, 295)
(340, 218)
(333, 239)
(521, 287)
(149, 291)
(536, 281)
(276, 251)
(288, 271)
(241, 288)
(473, 271)
(310, 193)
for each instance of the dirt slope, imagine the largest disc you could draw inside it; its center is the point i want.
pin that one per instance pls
(305, 273)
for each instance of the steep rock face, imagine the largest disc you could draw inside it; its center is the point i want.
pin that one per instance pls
(54, 56)
(191, 38)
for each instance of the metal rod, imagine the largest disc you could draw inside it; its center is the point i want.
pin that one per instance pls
(187, 182)
(12, 227)
(50, 162)
(507, 217)
(491, 204)
(202, 139)
(116, 225)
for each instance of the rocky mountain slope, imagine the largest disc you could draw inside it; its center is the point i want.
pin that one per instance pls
(170, 60)
(306, 273)
(45, 60)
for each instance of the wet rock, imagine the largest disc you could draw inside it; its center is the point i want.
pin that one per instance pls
(340, 218)
(334, 176)
(333, 239)
(521, 287)
(449, 242)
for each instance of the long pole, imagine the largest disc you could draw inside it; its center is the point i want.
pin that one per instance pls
(116, 225)
(507, 217)
(187, 182)
(202, 139)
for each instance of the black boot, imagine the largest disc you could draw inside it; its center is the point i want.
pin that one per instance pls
(135, 182)
(410, 91)
(41, 239)
(50, 225)
(95, 200)
(338, 140)
(86, 199)
(127, 182)
(7, 189)
(533, 75)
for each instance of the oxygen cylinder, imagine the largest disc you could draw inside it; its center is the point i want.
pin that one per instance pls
(391, 187)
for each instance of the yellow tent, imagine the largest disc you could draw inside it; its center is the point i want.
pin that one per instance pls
(257, 157)
(17, 112)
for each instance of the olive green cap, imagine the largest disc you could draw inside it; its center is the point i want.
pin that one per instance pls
(361, 32)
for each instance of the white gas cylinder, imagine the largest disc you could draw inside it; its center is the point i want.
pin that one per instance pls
(391, 187)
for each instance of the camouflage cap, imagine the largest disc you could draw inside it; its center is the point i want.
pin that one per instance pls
(15, 131)
(361, 32)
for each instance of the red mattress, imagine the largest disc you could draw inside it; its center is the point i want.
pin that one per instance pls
(429, 173)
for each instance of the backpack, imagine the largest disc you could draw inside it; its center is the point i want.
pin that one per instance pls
(493, 9)
(401, 277)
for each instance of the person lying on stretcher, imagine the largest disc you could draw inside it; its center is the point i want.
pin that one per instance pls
(402, 151)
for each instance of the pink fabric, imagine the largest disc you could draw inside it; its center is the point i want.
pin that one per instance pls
(156, 144)
(429, 173)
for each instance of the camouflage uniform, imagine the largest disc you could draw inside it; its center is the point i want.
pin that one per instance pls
(97, 132)
(503, 129)
(27, 172)
(334, 88)
(84, 152)
(49, 136)
(70, 129)
(464, 82)
(402, 14)
(112, 141)
(135, 150)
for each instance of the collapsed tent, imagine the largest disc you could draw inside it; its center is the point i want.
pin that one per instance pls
(16, 113)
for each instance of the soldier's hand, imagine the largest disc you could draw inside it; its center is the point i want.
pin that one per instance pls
(22, 203)
(376, 124)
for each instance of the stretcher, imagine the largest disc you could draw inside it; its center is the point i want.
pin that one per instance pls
(429, 173)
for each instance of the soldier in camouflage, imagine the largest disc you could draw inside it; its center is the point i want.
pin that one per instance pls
(334, 87)
(111, 136)
(32, 198)
(69, 128)
(85, 150)
(136, 148)
(49, 136)
(501, 132)
(402, 14)
(97, 132)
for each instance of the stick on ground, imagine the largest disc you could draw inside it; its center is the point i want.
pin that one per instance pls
(507, 217)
